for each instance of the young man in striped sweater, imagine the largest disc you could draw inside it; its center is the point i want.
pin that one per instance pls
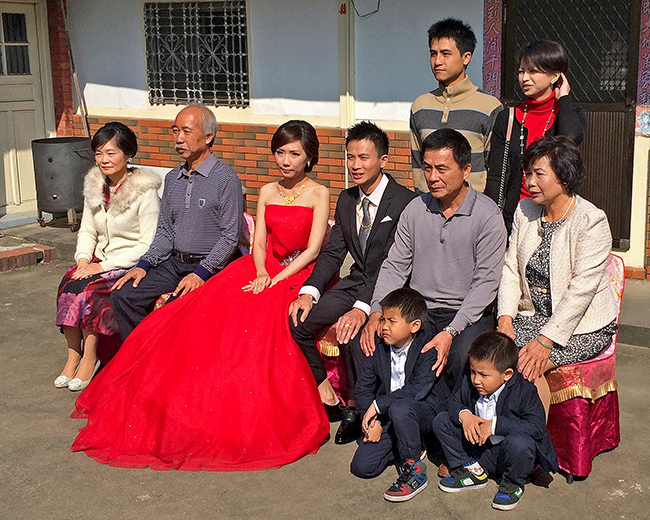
(457, 103)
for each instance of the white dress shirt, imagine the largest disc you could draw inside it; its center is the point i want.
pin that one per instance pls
(486, 408)
(397, 368)
(374, 198)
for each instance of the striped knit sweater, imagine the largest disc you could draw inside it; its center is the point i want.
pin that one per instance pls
(463, 107)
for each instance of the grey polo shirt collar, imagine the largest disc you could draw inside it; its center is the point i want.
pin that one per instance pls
(465, 207)
(203, 168)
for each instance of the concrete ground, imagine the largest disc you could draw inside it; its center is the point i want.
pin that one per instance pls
(41, 478)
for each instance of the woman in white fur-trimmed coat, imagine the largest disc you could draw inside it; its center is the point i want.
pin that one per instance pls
(119, 221)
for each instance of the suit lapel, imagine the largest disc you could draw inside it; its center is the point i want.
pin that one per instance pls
(351, 222)
(504, 394)
(384, 365)
(411, 358)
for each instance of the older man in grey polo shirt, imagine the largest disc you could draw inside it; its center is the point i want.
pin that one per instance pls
(451, 243)
(198, 228)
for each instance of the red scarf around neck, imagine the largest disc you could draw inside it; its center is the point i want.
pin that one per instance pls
(537, 119)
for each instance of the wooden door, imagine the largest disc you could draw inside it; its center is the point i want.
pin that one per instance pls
(21, 106)
(602, 40)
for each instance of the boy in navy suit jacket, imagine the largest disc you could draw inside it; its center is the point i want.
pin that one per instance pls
(495, 424)
(400, 395)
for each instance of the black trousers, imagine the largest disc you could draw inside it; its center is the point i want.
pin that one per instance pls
(132, 304)
(438, 319)
(513, 458)
(410, 422)
(332, 305)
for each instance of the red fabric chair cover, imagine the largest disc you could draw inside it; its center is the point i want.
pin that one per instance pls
(583, 419)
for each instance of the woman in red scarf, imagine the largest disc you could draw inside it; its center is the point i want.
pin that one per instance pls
(547, 111)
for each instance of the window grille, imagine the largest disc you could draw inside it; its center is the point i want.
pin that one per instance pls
(14, 46)
(614, 65)
(197, 53)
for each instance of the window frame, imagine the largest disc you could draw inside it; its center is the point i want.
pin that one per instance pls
(240, 97)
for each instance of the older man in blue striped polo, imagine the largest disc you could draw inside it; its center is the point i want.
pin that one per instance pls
(198, 228)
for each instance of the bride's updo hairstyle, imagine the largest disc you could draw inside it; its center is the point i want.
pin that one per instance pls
(543, 56)
(298, 130)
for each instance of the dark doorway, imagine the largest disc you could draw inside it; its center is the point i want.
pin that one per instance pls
(602, 40)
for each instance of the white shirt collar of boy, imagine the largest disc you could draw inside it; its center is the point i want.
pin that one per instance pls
(374, 198)
(398, 366)
(486, 408)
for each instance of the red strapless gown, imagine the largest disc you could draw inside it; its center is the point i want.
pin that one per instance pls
(213, 380)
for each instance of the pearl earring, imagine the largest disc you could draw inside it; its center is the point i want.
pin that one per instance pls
(129, 160)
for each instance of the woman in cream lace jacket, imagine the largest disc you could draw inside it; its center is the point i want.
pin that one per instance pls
(555, 299)
(118, 224)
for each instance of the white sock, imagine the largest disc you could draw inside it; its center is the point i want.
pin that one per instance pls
(474, 467)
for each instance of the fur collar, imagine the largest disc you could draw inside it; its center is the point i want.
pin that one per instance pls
(139, 181)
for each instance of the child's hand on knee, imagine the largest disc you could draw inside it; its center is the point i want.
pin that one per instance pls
(471, 426)
(374, 432)
(486, 431)
(368, 418)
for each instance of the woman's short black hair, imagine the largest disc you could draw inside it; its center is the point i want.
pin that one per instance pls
(452, 139)
(543, 56)
(455, 29)
(370, 131)
(495, 348)
(125, 139)
(563, 156)
(298, 130)
(409, 302)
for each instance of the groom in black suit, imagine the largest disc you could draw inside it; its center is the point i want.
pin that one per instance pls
(364, 226)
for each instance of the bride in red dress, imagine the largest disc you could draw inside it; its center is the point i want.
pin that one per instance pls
(213, 380)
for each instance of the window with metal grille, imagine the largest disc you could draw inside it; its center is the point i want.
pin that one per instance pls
(197, 53)
(14, 46)
(613, 64)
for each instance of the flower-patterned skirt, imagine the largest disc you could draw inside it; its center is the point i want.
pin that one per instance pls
(86, 303)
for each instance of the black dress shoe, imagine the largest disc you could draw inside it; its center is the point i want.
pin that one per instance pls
(334, 412)
(350, 427)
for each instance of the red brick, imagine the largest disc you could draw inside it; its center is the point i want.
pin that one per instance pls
(243, 162)
(232, 128)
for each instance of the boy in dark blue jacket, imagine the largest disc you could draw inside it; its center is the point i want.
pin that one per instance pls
(400, 396)
(495, 424)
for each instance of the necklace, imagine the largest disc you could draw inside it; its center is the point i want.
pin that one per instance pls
(566, 212)
(522, 144)
(289, 200)
(113, 189)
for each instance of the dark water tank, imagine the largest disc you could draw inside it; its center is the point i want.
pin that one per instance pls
(60, 165)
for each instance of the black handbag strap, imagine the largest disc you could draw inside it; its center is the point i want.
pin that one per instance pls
(504, 166)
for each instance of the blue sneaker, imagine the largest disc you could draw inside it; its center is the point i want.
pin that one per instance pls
(411, 480)
(507, 497)
(462, 479)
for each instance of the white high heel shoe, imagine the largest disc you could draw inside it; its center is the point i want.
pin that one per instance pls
(62, 381)
(76, 384)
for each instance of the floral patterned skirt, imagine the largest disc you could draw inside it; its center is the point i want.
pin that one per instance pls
(86, 303)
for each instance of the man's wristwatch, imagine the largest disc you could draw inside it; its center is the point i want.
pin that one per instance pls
(454, 333)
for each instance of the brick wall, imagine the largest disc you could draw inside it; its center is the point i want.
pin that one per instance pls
(61, 71)
(247, 148)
